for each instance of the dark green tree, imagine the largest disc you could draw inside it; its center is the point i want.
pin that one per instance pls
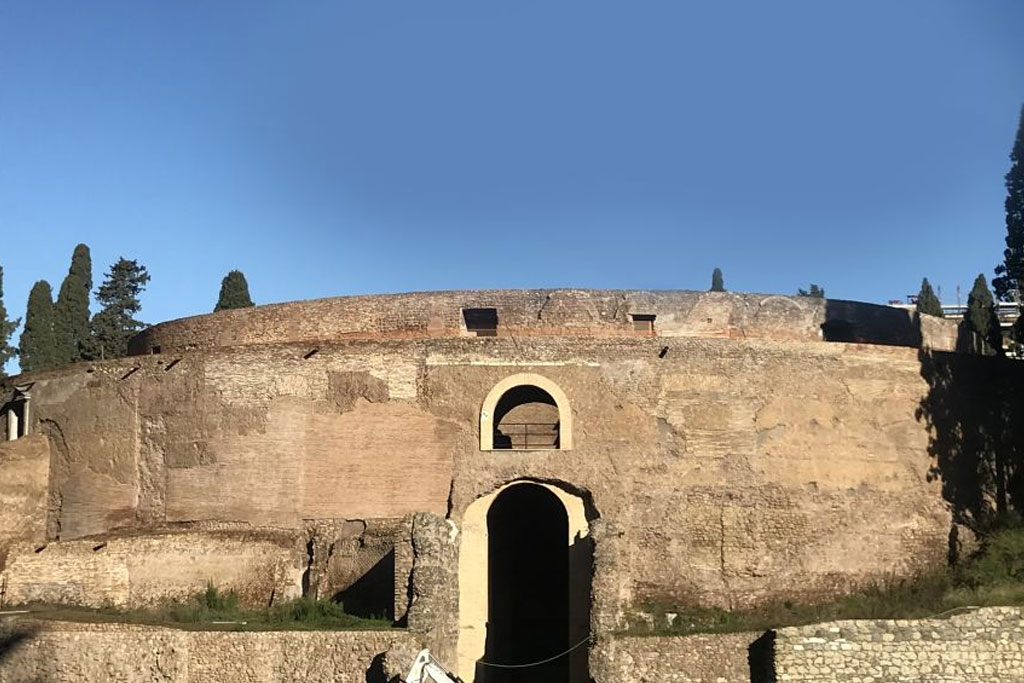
(72, 308)
(981, 318)
(1010, 272)
(234, 292)
(38, 345)
(927, 302)
(717, 283)
(118, 297)
(815, 291)
(7, 328)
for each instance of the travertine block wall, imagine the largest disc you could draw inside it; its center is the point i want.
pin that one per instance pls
(980, 646)
(86, 653)
(732, 471)
(135, 571)
(729, 459)
(710, 658)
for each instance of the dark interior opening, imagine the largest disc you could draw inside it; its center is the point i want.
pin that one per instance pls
(372, 596)
(481, 321)
(17, 406)
(643, 322)
(840, 331)
(526, 417)
(528, 586)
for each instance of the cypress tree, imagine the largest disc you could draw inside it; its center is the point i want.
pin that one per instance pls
(7, 327)
(1011, 271)
(717, 283)
(114, 325)
(234, 292)
(38, 345)
(927, 302)
(981, 318)
(72, 309)
(814, 292)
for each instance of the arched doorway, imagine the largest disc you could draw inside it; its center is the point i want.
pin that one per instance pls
(528, 586)
(546, 528)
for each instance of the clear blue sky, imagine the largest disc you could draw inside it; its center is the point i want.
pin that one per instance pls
(330, 148)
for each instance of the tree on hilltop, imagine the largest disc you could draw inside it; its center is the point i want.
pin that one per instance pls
(71, 321)
(7, 328)
(927, 302)
(234, 292)
(981, 318)
(1010, 272)
(814, 292)
(115, 323)
(38, 344)
(717, 283)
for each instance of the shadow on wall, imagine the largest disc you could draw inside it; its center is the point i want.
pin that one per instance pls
(11, 641)
(372, 595)
(761, 659)
(861, 323)
(975, 417)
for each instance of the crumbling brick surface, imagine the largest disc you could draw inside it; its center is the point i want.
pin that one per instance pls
(24, 492)
(729, 459)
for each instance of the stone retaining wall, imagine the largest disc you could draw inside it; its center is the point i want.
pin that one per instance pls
(980, 646)
(31, 652)
(704, 658)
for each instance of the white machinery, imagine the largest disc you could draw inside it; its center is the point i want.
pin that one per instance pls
(426, 669)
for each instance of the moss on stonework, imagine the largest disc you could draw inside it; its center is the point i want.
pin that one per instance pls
(994, 576)
(216, 610)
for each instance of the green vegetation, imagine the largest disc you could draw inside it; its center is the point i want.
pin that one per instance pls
(717, 283)
(115, 324)
(994, 576)
(815, 292)
(38, 345)
(216, 610)
(7, 328)
(234, 292)
(71, 321)
(927, 302)
(981, 316)
(1011, 271)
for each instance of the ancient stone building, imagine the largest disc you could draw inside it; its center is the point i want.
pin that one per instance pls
(479, 464)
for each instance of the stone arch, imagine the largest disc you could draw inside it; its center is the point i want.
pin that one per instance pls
(525, 379)
(474, 574)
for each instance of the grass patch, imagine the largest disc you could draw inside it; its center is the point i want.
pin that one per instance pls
(216, 610)
(994, 576)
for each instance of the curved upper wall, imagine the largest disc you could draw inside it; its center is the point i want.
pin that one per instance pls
(558, 312)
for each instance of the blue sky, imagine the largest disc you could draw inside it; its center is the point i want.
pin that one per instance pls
(331, 148)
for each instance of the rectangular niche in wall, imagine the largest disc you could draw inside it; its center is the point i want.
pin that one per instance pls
(643, 323)
(483, 322)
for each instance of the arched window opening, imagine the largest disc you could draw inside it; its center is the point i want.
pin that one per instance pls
(526, 418)
(526, 411)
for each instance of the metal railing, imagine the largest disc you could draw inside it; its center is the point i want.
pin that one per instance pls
(526, 436)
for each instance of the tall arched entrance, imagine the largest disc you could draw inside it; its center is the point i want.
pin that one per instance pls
(528, 586)
(525, 566)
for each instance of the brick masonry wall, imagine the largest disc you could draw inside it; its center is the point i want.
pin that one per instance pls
(591, 313)
(725, 471)
(87, 653)
(979, 646)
